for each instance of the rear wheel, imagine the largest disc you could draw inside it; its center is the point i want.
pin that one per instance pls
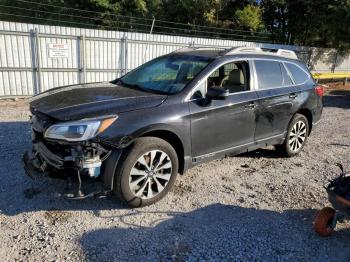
(297, 134)
(147, 172)
(324, 221)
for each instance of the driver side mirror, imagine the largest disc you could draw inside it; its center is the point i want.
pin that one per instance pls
(217, 93)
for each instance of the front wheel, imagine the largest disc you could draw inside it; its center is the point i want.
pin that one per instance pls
(147, 172)
(297, 134)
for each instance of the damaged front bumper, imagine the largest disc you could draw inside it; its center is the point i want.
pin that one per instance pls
(95, 159)
(29, 167)
(41, 157)
(83, 160)
(44, 160)
(41, 161)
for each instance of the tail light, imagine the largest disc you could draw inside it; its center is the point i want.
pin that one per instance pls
(319, 90)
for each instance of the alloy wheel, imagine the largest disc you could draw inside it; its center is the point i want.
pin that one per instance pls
(150, 174)
(297, 136)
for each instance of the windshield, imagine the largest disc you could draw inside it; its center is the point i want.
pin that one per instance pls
(168, 74)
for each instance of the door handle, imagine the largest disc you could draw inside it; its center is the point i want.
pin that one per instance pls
(293, 96)
(250, 106)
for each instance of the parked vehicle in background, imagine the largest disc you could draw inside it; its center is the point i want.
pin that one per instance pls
(138, 132)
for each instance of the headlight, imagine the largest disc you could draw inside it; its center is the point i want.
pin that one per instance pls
(79, 130)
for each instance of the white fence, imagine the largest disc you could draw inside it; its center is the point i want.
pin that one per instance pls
(34, 58)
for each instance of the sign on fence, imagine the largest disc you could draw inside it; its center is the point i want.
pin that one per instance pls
(58, 50)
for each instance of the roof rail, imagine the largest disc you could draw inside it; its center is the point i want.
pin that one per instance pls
(264, 51)
(286, 53)
(192, 48)
(182, 49)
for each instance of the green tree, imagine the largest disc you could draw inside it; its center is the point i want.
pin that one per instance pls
(53, 12)
(334, 31)
(250, 18)
(323, 23)
(319, 23)
(275, 17)
(188, 11)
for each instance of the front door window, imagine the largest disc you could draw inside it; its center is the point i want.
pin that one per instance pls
(232, 76)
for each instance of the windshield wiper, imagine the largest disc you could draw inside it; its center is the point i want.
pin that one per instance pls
(121, 82)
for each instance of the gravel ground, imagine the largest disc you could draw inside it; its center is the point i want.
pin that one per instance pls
(256, 206)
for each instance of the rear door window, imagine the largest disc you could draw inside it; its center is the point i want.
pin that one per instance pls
(269, 74)
(299, 75)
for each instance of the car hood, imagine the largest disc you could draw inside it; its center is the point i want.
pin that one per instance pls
(92, 100)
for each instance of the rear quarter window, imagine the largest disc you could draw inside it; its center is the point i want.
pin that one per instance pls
(269, 74)
(299, 75)
(287, 81)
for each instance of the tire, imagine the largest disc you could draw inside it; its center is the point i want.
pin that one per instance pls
(324, 221)
(296, 137)
(139, 181)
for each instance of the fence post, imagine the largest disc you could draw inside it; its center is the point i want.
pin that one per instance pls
(38, 68)
(148, 40)
(191, 43)
(81, 59)
(123, 55)
(126, 55)
(78, 44)
(309, 60)
(32, 47)
(335, 61)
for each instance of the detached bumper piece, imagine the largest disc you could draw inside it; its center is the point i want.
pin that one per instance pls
(29, 168)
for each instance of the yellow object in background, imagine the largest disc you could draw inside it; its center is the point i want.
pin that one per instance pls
(329, 75)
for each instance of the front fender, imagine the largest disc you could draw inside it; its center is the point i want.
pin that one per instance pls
(110, 167)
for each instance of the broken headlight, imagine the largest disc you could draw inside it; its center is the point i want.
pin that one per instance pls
(79, 130)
